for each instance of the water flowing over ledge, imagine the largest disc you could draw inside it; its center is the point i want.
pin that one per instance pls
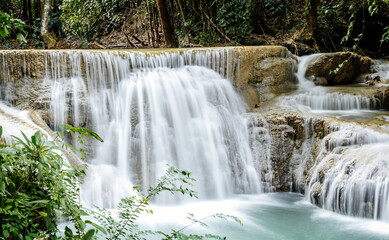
(152, 110)
(340, 166)
(75, 63)
(180, 107)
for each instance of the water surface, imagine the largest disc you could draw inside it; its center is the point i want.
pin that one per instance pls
(275, 216)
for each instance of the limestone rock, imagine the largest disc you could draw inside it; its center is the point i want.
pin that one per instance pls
(337, 68)
(251, 62)
(250, 95)
(286, 144)
(268, 69)
(272, 71)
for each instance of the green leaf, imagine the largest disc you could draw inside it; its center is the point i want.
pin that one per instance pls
(98, 227)
(43, 214)
(6, 233)
(89, 234)
(1, 131)
(68, 232)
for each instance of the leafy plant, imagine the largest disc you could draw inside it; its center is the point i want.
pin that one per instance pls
(385, 36)
(89, 19)
(36, 184)
(8, 24)
(38, 188)
(234, 18)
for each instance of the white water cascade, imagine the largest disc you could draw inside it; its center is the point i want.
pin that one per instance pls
(317, 98)
(153, 111)
(260, 143)
(320, 100)
(381, 68)
(352, 176)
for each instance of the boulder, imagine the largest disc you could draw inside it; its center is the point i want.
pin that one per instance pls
(272, 72)
(267, 69)
(337, 68)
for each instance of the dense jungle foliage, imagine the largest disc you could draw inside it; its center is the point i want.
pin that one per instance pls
(301, 25)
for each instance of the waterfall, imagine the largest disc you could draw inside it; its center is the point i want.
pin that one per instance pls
(318, 100)
(352, 175)
(260, 143)
(180, 108)
(381, 68)
(152, 110)
(303, 156)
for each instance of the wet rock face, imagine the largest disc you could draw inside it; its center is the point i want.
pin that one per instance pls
(287, 144)
(24, 63)
(337, 68)
(272, 71)
(268, 70)
(383, 95)
(342, 167)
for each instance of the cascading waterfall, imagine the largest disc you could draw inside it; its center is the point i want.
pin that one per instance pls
(154, 110)
(349, 173)
(352, 177)
(303, 156)
(260, 143)
(319, 98)
(382, 70)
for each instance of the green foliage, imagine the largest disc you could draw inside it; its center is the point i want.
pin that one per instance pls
(90, 19)
(354, 8)
(38, 188)
(80, 132)
(234, 18)
(36, 183)
(9, 24)
(276, 6)
(385, 36)
(337, 69)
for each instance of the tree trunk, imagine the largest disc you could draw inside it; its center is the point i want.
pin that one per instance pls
(257, 17)
(25, 11)
(46, 7)
(311, 8)
(30, 17)
(167, 28)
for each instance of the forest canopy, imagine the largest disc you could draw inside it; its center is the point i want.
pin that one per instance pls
(301, 25)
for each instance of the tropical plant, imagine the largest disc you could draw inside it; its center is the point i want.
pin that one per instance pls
(9, 24)
(38, 189)
(36, 185)
(87, 20)
(234, 18)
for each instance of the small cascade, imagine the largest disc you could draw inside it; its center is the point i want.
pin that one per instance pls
(305, 84)
(319, 100)
(261, 143)
(302, 156)
(381, 68)
(351, 176)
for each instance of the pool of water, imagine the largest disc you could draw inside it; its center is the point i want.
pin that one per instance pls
(267, 216)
